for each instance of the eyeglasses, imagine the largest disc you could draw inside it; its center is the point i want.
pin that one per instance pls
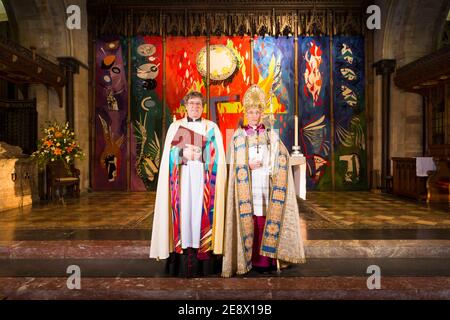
(195, 104)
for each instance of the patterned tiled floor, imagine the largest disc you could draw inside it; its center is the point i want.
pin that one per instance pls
(373, 210)
(101, 210)
(133, 212)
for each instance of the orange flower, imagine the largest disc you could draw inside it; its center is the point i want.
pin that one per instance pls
(57, 152)
(49, 143)
(69, 149)
(58, 134)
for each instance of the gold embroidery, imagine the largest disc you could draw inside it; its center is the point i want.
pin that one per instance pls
(279, 195)
(246, 208)
(242, 174)
(282, 160)
(273, 229)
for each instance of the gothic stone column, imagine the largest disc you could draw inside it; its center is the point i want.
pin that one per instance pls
(385, 68)
(71, 67)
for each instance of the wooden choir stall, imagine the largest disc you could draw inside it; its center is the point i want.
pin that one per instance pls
(430, 77)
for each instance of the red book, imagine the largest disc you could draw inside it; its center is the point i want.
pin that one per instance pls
(185, 136)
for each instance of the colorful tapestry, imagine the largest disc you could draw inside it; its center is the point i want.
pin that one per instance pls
(230, 62)
(231, 71)
(146, 111)
(182, 74)
(274, 62)
(314, 110)
(111, 109)
(349, 114)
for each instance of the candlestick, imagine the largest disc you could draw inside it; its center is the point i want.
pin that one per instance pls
(271, 102)
(296, 131)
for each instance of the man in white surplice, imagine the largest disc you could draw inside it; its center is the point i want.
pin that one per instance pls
(190, 201)
(191, 184)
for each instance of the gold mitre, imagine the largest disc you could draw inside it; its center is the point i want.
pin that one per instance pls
(254, 97)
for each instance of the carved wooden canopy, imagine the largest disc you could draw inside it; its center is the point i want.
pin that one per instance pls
(227, 17)
(425, 72)
(20, 65)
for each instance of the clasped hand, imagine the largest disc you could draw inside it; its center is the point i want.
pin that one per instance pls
(192, 152)
(254, 164)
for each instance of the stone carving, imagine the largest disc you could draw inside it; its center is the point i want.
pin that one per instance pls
(8, 151)
(230, 17)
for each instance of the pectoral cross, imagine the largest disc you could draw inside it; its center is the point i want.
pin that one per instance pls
(257, 142)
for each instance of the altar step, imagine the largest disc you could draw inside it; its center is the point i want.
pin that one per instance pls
(295, 288)
(139, 249)
(149, 268)
(334, 269)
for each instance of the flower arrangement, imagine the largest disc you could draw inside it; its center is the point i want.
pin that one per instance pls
(58, 143)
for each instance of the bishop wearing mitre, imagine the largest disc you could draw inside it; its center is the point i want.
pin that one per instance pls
(262, 225)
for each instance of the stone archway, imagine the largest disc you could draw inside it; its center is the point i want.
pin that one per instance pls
(413, 29)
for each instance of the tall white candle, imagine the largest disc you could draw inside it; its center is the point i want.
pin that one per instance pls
(296, 131)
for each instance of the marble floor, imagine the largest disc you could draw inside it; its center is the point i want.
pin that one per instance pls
(270, 288)
(108, 236)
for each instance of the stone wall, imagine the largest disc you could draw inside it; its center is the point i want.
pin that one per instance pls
(18, 178)
(23, 190)
(410, 30)
(42, 24)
